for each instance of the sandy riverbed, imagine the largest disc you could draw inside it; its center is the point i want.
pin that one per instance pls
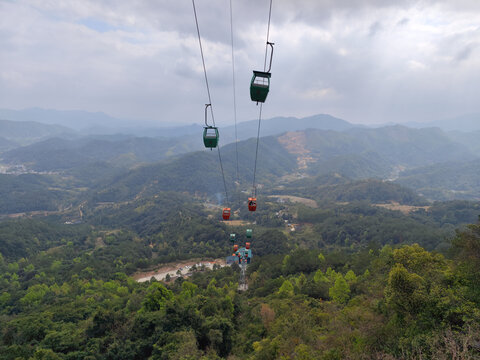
(184, 267)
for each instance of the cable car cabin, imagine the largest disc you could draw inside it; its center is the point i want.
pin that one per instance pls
(210, 137)
(249, 233)
(226, 213)
(259, 86)
(235, 248)
(247, 245)
(252, 204)
(232, 237)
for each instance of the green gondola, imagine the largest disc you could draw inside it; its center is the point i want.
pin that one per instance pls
(210, 137)
(259, 86)
(249, 233)
(232, 238)
(260, 83)
(210, 133)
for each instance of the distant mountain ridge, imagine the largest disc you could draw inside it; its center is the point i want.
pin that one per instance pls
(355, 153)
(372, 152)
(61, 153)
(26, 132)
(56, 154)
(89, 123)
(75, 119)
(278, 125)
(323, 145)
(464, 123)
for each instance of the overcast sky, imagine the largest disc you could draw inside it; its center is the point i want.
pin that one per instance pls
(366, 61)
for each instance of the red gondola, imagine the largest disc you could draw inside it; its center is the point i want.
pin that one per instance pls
(247, 246)
(226, 213)
(235, 248)
(252, 204)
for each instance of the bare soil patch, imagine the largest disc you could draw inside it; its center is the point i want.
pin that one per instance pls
(294, 143)
(236, 222)
(296, 199)
(405, 209)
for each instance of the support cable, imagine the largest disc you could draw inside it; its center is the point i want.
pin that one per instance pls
(261, 105)
(268, 36)
(234, 90)
(256, 152)
(209, 96)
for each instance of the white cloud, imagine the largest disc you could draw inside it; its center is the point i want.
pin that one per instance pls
(368, 60)
(416, 65)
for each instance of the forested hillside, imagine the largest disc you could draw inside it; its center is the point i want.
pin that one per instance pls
(161, 201)
(62, 154)
(445, 181)
(346, 264)
(75, 301)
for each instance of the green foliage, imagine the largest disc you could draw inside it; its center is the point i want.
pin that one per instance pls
(466, 250)
(406, 292)
(286, 289)
(156, 297)
(65, 290)
(340, 291)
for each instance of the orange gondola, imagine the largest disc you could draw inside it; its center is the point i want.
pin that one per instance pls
(226, 213)
(252, 204)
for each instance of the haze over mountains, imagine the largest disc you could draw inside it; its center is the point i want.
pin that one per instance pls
(82, 210)
(100, 123)
(463, 123)
(120, 166)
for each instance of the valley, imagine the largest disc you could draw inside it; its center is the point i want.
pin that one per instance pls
(342, 212)
(239, 180)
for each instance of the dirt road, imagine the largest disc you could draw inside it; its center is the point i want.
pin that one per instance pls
(183, 268)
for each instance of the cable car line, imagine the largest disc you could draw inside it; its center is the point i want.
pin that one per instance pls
(252, 202)
(256, 152)
(268, 37)
(203, 61)
(234, 91)
(223, 175)
(210, 102)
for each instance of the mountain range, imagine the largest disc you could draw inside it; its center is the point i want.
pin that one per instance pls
(120, 166)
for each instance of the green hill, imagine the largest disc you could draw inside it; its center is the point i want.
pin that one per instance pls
(393, 144)
(30, 192)
(355, 153)
(445, 181)
(200, 171)
(62, 154)
(336, 188)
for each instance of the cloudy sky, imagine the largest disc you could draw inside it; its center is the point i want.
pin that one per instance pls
(366, 61)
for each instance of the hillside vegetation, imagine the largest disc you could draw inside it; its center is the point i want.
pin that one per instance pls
(347, 264)
(74, 301)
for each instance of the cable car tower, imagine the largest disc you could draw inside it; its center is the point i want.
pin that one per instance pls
(241, 256)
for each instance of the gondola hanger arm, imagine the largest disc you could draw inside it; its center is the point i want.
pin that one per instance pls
(271, 55)
(206, 116)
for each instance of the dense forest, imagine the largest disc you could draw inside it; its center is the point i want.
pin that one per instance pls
(181, 214)
(346, 264)
(379, 302)
(354, 281)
